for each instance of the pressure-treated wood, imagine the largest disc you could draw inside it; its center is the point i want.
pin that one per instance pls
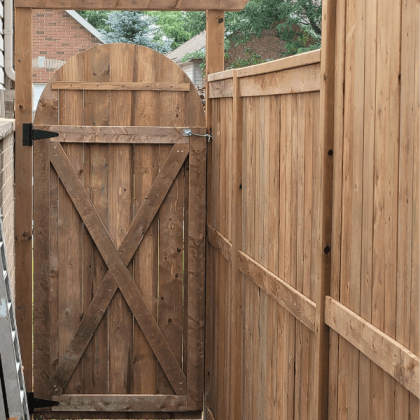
(135, 86)
(111, 182)
(134, 4)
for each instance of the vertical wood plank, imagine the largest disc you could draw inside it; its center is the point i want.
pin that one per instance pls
(236, 277)
(337, 157)
(70, 226)
(196, 271)
(215, 52)
(120, 216)
(42, 267)
(23, 188)
(322, 213)
(96, 164)
(368, 196)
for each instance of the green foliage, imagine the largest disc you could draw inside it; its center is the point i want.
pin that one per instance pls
(297, 23)
(178, 26)
(134, 28)
(251, 59)
(97, 18)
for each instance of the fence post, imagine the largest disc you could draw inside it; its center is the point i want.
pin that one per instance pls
(236, 277)
(23, 189)
(215, 52)
(322, 210)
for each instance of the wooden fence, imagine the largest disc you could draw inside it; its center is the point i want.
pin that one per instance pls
(313, 226)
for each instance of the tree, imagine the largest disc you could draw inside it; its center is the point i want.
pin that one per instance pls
(297, 23)
(178, 26)
(134, 28)
(97, 18)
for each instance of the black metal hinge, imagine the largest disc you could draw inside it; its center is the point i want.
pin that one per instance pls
(38, 402)
(29, 134)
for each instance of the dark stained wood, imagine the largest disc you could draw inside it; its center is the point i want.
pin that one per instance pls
(196, 270)
(116, 179)
(118, 269)
(41, 270)
(118, 403)
(108, 287)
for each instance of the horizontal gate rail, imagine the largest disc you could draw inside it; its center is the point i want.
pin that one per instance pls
(147, 86)
(118, 134)
(121, 403)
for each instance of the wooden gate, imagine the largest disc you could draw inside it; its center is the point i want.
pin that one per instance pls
(119, 228)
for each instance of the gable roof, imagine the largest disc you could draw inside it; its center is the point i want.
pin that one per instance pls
(194, 44)
(85, 24)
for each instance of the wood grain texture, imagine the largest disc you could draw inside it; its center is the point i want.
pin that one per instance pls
(114, 85)
(117, 268)
(395, 359)
(124, 363)
(297, 304)
(196, 271)
(23, 195)
(134, 4)
(221, 89)
(129, 134)
(118, 403)
(301, 79)
(291, 62)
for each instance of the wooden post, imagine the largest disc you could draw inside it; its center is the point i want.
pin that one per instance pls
(236, 286)
(23, 189)
(215, 51)
(322, 210)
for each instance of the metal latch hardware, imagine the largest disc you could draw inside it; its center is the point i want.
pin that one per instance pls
(188, 133)
(38, 402)
(29, 134)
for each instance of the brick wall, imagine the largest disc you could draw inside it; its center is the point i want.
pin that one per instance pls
(7, 196)
(56, 38)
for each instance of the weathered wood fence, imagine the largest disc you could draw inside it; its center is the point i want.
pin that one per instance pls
(313, 226)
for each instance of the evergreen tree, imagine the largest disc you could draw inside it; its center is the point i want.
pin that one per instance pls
(134, 28)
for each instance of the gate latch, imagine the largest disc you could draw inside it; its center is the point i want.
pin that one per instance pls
(188, 133)
(38, 402)
(29, 134)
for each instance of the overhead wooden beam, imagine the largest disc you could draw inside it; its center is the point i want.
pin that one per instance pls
(184, 5)
(23, 189)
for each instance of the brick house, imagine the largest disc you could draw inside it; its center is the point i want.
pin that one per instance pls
(58, 35)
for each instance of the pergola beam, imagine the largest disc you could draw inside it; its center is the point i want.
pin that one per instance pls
(184, 5)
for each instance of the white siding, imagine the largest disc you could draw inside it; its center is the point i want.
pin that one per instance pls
(188, 69)
(198, 75)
